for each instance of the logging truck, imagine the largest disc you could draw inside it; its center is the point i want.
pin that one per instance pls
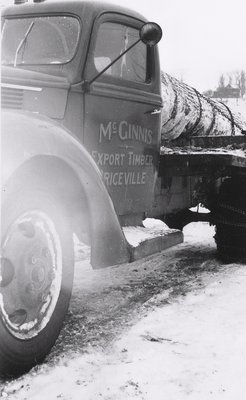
(96, 139)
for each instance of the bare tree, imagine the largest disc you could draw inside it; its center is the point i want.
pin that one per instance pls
(222, 81)
(230, 80)
(243, 83)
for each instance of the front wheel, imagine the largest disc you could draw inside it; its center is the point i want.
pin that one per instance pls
(36, 278)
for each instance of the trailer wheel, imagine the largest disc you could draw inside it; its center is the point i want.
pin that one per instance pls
(36, 278)
(230, 217)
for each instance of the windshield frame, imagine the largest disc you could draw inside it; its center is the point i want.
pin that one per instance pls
(33, 16)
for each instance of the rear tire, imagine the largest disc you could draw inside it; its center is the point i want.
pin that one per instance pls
(230, 217)
(36, 278)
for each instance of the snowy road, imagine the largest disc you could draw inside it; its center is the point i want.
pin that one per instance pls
(170, 327)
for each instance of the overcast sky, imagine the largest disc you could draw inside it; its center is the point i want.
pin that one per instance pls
(201, 38)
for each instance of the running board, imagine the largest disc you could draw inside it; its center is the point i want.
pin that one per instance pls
(147, 241)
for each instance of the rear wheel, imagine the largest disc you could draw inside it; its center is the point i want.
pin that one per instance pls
(36, 278)
(230, 217)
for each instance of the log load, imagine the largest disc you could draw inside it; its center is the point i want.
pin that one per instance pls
(187, 113)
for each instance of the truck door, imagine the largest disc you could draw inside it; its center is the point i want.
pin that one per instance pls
(122, 112)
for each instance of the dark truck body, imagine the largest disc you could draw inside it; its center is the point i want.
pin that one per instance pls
(112, 120)
(191, 172)
(96, 148)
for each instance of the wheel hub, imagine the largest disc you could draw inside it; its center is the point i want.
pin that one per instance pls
(38, 275)
(30, 274)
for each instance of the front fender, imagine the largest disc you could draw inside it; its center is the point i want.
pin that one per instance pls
(25, 136)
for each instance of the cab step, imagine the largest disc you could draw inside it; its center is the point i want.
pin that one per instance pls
(151, 239)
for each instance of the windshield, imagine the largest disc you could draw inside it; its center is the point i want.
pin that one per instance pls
(39, 40)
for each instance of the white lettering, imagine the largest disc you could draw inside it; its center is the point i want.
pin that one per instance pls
(111, 159)
(124, 178)
(105, 132)
(125, 131)
(139, 159)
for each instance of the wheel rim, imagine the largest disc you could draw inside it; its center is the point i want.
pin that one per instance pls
(30, 274)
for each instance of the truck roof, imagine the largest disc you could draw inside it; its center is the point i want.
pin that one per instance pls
(87, 11)
(77, 7)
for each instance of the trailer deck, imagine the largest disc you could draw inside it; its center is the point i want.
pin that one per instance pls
(198, 155)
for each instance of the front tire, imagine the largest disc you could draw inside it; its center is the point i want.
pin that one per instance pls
(36, 278)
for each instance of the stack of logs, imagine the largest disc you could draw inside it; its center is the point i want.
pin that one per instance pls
(187, 113)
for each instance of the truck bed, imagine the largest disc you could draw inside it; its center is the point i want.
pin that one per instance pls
(200, 155)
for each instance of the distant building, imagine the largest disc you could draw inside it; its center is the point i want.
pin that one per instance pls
(208, 93)
(226, 92)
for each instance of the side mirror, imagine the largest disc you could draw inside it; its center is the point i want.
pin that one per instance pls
(150, 33)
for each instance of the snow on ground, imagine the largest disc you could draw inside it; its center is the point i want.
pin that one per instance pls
(151, 228)
(188, 150)
(192, 346)
(192, 349)
(237, 106)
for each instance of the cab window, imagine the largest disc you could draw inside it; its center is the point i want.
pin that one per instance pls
(39, 40)
(113, 39)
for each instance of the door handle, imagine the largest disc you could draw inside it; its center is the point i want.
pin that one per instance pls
(153, 112)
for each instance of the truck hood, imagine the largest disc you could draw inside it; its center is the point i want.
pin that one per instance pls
(28, 77)
(34, 91)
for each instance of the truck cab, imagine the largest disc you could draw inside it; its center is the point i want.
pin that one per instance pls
(55, 50)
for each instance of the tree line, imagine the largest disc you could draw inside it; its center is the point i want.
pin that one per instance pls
(236, 79)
